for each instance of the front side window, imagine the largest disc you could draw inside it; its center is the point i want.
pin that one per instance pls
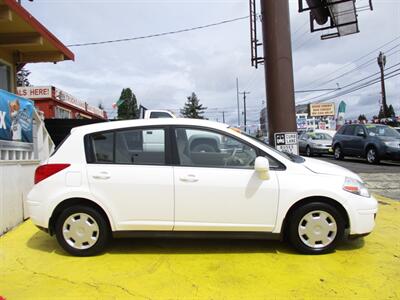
(202, 148)
(131, 146)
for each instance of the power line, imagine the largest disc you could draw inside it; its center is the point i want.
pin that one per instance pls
(158, 34)
(354, 61)
(348, 85)
(359, 87)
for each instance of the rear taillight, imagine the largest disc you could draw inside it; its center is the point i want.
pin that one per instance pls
(42, 172)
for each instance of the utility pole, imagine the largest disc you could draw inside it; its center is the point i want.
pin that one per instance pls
(278, 67)
(244, 93)
(223, 117)
(237, 98)
(382, 63)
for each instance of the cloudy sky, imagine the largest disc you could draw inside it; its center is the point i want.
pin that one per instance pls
(162, 71)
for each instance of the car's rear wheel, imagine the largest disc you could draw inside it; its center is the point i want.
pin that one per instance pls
(372, 156)
(338, 153)
(315, 228)
(82, 230)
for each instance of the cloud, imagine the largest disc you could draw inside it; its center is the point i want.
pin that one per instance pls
(163, 71)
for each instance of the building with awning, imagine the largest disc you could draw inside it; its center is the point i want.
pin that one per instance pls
(23, 39)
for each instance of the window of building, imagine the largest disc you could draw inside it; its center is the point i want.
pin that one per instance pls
(62, 113)
(5, 77)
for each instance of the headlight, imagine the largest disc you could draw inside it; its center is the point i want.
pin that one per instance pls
(393, 144)
(356, 187)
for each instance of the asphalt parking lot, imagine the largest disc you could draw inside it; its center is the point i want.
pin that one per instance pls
(33, 266)
(360, 165)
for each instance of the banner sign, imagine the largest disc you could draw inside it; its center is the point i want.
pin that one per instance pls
(34, 92)
(16, 115)
(322, 109)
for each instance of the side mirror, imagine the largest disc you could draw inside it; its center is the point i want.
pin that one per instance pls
(261, 166)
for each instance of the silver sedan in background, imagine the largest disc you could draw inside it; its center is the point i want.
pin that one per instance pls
(311, 143)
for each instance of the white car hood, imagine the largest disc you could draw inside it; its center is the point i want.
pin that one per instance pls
(322, 167)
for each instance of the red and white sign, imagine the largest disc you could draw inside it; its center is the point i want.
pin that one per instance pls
(34, 92)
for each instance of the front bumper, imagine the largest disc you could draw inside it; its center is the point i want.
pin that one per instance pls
(362, 218)
(321, 149)
(392, 153)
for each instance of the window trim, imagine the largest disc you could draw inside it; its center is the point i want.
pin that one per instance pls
(259, 152)
(90, 158)
(12, 81)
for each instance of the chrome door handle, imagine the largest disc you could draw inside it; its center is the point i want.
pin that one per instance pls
(102, 175)
(189, 178)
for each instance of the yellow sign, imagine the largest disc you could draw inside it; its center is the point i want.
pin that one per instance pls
(322, 109)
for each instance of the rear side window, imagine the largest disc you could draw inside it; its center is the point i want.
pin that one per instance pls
(140, 147)
(102, 147)
(132, 146)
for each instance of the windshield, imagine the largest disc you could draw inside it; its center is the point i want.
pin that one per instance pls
(320, 136)
(292, 157)
(382, 131)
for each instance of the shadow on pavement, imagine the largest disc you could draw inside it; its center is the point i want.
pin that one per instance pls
(45, 243)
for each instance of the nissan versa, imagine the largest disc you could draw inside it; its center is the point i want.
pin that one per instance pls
(192, 178)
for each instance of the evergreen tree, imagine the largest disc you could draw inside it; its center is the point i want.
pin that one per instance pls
(390, 112)
(22, 77)
(362, 118)
(127, 105)
(192, 108)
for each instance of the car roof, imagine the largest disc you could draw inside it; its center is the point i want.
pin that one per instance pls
(146, 122)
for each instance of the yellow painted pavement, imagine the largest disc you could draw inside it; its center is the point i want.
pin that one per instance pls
(33, 266)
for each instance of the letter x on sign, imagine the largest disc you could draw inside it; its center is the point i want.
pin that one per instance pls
(3, 120)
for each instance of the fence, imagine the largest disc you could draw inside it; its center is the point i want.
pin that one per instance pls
(17, 167)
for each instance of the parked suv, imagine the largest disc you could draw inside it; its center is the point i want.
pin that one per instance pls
(374, 142)
(112, 179)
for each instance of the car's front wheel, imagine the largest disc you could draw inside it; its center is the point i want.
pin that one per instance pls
(82, 230)
(309, 151)
(315, 228)
(338, 153)
(372, 156)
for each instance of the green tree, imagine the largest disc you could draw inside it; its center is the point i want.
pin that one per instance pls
(192, 108)
(362, 118)
(127, 105)
(390, 112)
(22, 77)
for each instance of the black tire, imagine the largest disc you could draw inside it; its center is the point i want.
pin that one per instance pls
(99, 236)
(372, 155)
(328, 214)
(309, 152)
(338, 153)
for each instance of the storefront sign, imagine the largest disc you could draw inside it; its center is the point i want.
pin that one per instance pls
(65, 97)
(15, 118)
(322, 109)
(287, 142)
(34, 92)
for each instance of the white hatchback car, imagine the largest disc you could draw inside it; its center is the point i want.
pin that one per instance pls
(151, 178)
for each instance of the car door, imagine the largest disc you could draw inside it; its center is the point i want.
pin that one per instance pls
(358, 141)
(347, 140)
(219, 190)
(127, 171)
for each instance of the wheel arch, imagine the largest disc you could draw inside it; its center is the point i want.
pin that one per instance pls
(75, 201)
(311, 199)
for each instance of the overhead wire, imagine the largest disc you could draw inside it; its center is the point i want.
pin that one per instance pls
(158, 34)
